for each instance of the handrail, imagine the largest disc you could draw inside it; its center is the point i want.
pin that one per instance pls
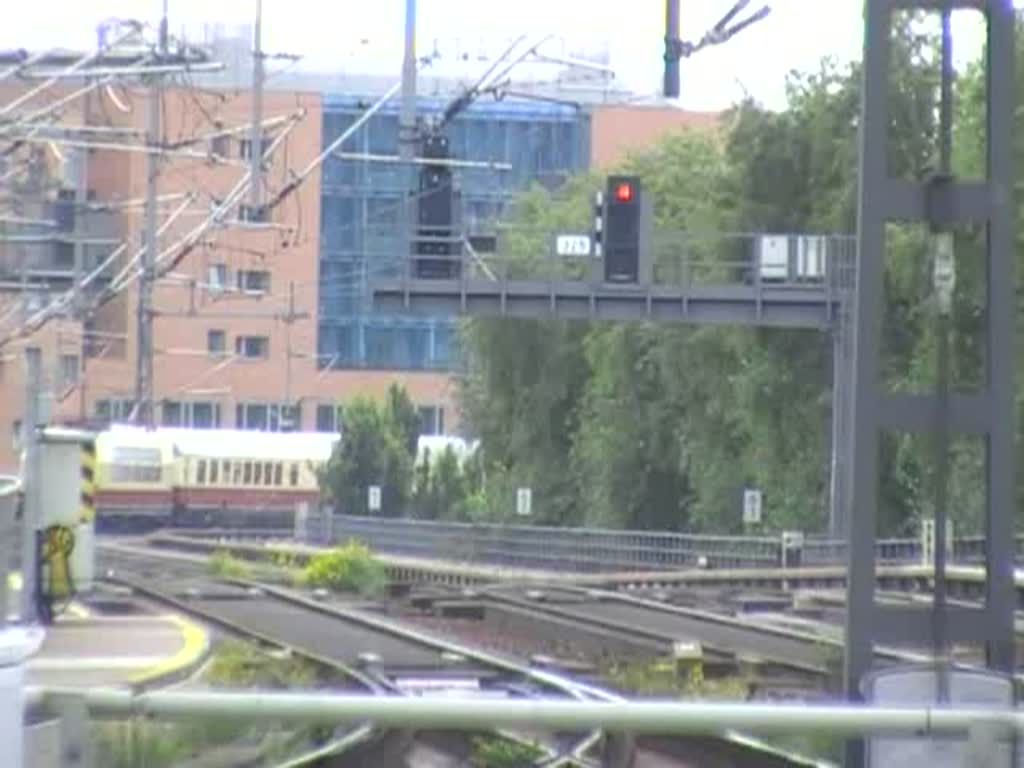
(468, 713)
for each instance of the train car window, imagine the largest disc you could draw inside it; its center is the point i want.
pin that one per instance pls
(225, 469)
(268, 473)
(257, 473)
(130, 464)
(214, 466)
(278, 474)
(247, 473)
(236, 473)
(293, 474)
(201, 472)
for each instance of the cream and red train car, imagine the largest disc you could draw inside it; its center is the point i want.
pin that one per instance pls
(135, 475)
(240, 477)
(224, 477)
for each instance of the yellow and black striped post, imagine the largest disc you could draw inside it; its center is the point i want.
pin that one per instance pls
(87, 499)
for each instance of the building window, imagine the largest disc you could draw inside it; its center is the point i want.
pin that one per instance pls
(431, 420)
(328, 418)
(69, 370)
(220, 145)
(170, 414)
(253, 213)
(216, 342)
(253, 280)
(252, 346)
(205, 415)
(115, 409)
(64, 254)
(245, 147)
(217, 276)
(268, 417)
(196, 415)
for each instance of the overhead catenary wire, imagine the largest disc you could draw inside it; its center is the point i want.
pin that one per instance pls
(35, 322)
(125, 277)
(83, 62)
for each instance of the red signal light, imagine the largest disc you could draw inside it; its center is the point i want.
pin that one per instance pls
(624, 192)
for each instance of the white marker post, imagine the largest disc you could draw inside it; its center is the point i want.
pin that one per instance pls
(751, 506)
(524, 502)
(373, 498)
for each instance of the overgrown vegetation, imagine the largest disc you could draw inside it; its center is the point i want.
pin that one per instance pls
(224, 565)
(234, 664)
(499, 752)
(814, 744)
(348, 568)
(238, 664)
(660, 677)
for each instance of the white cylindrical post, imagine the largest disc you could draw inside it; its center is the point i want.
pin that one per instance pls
(16, 645)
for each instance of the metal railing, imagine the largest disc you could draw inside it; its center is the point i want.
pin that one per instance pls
(550, 548)
(591, 550)
(468, 713)
(679, 259)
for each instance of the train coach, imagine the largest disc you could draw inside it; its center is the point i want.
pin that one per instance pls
(135, 476)
(239, 477)
(147, 478)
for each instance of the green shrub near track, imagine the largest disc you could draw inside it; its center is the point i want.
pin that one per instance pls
(348, 568)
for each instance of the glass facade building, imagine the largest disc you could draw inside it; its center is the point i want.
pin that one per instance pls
(360, 214)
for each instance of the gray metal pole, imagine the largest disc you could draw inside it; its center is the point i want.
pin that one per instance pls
(671, 84)
(407, 117)
(30, 482)
(81, 156)
(840, 370)
(144, 355)
(256, 131)
(999, 354)
(407, 133)
(941, 440)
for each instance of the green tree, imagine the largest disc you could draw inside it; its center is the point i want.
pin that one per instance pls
(423, 501)
(402, 414)
(372, 451)
(447, 484)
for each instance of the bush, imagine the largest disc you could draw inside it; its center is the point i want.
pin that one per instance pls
(226, 566)
(349, 568)
(238, 664)
(497, 752)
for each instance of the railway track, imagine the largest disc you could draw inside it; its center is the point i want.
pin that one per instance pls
(963, 581)
(380, 657)
(721, 636)
(390, 658)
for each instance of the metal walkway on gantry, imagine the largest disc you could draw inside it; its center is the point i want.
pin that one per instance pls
(786, 306)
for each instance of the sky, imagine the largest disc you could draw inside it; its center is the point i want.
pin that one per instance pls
(367, 35)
